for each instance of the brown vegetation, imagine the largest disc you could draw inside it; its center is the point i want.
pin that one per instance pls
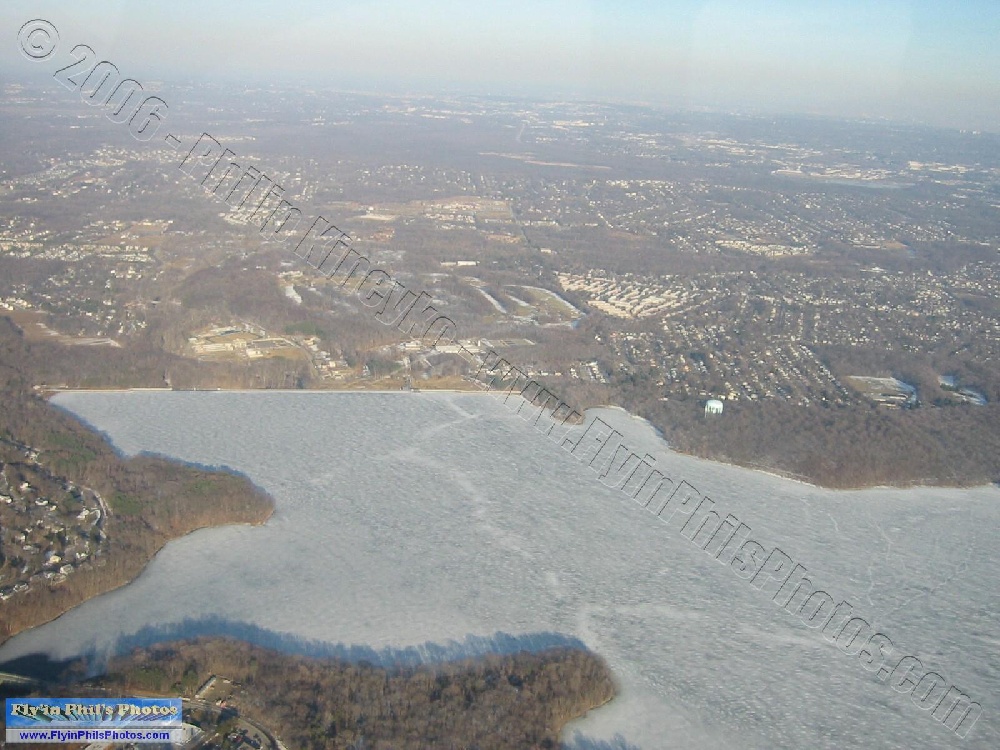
(831, 447)
(498, 702)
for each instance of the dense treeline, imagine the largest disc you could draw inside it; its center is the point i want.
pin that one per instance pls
(845, 448)
(832, 447)
(151, 500)
(519, 701)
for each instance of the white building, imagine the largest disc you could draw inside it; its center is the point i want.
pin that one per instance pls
(713, 406)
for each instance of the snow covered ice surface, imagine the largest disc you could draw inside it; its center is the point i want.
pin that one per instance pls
(410, 519)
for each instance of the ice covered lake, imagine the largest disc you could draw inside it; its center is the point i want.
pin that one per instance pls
(404, 520)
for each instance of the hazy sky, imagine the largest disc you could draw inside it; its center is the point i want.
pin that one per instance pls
(912, 59)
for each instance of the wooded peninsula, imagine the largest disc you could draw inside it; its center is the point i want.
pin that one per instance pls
(50, 463)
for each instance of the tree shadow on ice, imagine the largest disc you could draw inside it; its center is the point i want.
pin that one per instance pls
(579, 742)
(38, 667)
(472, 646)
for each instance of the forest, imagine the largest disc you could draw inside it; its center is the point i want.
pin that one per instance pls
(840, 448)
(513, 702)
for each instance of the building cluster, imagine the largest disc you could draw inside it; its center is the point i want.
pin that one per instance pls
(87, 274)
(629, 295)
(565, 185)
(754, 336)
(690, 364)
(49, 528)
(242, 340)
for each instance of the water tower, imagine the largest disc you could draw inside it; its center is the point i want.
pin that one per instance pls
(713, 406)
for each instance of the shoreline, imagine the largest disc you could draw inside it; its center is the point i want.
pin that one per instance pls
(142, 570)
(595, 640)
(48, 393)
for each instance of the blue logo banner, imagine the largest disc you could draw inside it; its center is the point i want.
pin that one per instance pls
(93, 712)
